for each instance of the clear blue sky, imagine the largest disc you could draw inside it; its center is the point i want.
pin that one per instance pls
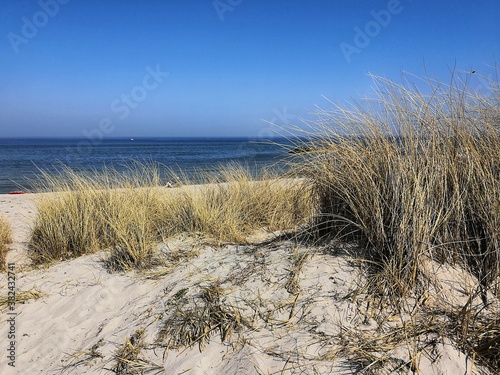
(70, 68)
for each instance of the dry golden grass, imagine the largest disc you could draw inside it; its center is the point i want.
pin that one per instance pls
(195, 320)
(235, 205)
(91, 212)
(5, 239)
(410, 175)
(130, 214)
(84, 357)
(298, 260)
(129, 357)
(22, 296)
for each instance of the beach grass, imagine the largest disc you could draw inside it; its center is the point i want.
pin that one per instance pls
(5, 239)
(129, 357)
(130, 214)
(196, 320)
(413, 175)
(22, 296)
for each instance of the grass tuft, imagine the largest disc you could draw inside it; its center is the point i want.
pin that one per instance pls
(414, 174)
(21, 297)
(131, 214)
(129, 358)
(195, 320)
(298, 259)
(5, 239)
(409, 174)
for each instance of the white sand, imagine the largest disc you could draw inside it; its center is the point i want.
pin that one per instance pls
(297, 332)
(19, 210)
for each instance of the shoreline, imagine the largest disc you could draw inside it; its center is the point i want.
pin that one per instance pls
(186, 154)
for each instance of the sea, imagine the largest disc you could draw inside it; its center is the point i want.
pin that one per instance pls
(23, 160)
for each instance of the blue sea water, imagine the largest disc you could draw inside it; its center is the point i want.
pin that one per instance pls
(22, 159)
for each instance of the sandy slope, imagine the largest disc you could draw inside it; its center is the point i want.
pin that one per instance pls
(19, 210)
(286, 323)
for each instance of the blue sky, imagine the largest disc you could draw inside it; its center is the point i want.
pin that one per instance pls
(75, 68)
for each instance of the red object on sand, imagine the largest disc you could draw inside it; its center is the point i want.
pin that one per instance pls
(19, 192)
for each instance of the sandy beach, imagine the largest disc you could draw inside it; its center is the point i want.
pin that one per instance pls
(239, 187)
(290, 309)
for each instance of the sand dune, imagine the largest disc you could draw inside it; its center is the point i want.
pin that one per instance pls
(285, 308)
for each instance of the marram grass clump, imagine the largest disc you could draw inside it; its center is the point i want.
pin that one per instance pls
(234, 205)
(195, 320)
(5, 239)
(129, 215)
(412, 178)
(410, 175)
(413, 175)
